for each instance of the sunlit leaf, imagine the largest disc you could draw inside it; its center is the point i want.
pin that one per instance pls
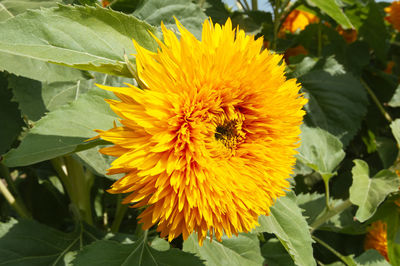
(188, 13)
(337, 103)
(331, 8)
(367, 193)
(110, 253)
(371, 257)
(289, 225)
(320, 150)
(63, 130)
(241, 250)
(31, 243)
(88, 38)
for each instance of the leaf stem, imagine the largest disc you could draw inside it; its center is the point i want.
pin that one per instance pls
(18, 206)
(254, 4)
(377, 102)
(327, 193)
(346, 260)
(276, 24)
(4, 171)
(319, 51)
(78, 184)
(119, 215)
(329, 213)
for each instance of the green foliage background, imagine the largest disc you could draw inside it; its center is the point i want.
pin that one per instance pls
(53, 52)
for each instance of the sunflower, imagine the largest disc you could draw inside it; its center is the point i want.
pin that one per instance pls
(393, 14)
(297, 20)
(376, 238)
(208, 143)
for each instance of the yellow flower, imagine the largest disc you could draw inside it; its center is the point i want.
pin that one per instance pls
(297, 20)
(208, 144)
(376, 238)
(393, 12)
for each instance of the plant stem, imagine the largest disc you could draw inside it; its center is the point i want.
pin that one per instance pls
(254, 4)
(10, 182)
(276, 24)
(247, 5)
(18, 206)
(346, 260)
(327, 193)
(319, 51)
(78, 184)
(377, 102)
(327, 214)
(119, 215)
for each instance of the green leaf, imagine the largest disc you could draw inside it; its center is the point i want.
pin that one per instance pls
(38, 70)
(275, 254)
(28, 67)
(62, 131)
(373, 31)
(367, 193)
(4, 13)
(27, 93)
(97, 162)
(10, 117)
(188, 13)
(216, 10)
(395, 101)
(387, 150)
(289, 225)
(314, 204)
(109, 253)
(320, 150)
(235, 251)
(371, 257)
(331, 8)
(126, 6)
(30, 243)
(337, 103)
(87, 38)
(16, 7)
(395, 126)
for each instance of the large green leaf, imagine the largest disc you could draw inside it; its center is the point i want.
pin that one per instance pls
(88, 38)
(337, 102)
(235, 251)
(110, 253)
(289, 225)
(29, 67)
(331, 8)
(4, 13)
(28, 94)
(63, 130)
(393, 235)
(373, 30)
(367, 193)
(188, 13)
(31, 243)
(314, 205)
(320, 151)
(395, 101)
(10, 117)
(275, 254)
(395, 126)
(371, 257)
(16, 7)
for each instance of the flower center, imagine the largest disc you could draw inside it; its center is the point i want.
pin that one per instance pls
(230, 133)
